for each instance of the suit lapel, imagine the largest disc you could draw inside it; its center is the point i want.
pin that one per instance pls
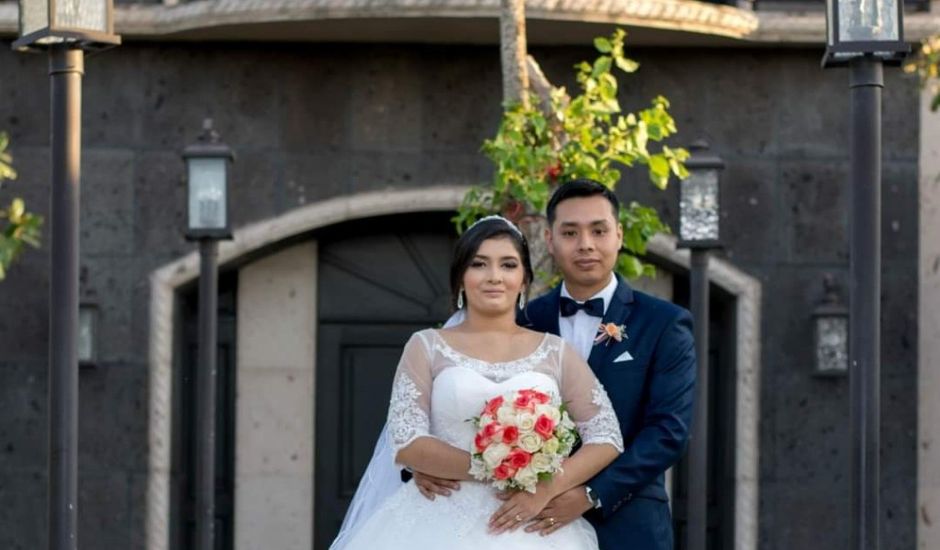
(621, 305)
(543, 314)
(552, 308)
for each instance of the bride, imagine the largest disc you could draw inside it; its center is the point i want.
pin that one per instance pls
(443, 379)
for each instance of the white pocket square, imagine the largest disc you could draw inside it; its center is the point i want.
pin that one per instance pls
(625, 356)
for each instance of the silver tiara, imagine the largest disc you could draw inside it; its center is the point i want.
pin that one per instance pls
(500, 218)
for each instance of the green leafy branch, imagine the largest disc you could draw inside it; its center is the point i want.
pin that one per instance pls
(17, 226)
(558, 138)
(924, 63)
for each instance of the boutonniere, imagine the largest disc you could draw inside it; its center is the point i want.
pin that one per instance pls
(608, 332)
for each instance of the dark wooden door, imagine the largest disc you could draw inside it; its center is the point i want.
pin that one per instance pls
(379, 281)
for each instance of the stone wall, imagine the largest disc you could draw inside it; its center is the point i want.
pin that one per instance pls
(312, 122)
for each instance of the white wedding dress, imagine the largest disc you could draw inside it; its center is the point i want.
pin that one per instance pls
(436, 390)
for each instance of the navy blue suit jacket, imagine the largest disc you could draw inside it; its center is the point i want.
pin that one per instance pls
(652, 395)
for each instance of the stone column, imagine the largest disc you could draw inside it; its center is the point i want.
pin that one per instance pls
(275, 410)
(928, 322)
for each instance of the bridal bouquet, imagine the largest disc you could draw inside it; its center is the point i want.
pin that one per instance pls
(522, 438)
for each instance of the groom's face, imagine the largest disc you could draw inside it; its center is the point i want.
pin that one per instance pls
(584, 241)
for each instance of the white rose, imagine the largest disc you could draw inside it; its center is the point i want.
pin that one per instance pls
(527, 477)
(551, 446)
(549, 411)
(526, 422)
(506, 415)
(566, 422)
(477, 469)
(494, 454)
(530, 442)
(541, 462)
(484, 420)
(565, 447)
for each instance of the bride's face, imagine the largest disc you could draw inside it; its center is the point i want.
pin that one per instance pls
(494, 278)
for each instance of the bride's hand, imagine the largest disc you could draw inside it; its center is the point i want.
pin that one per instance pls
(517, 509)
(429, 485)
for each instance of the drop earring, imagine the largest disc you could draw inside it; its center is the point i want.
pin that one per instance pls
(460, 299)
(522, 299)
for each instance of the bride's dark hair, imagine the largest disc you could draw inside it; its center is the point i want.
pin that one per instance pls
(469, 244)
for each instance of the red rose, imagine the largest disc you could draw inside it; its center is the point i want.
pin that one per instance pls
(510, 434)
(493, 405)
(544, 427)
(491, 430)
(503, 471)
(519, 459)
(481, 442)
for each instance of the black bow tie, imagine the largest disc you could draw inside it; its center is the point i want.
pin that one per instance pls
(593, 307)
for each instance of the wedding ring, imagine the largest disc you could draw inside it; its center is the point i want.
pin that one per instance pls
(518, 518)
(551, 522)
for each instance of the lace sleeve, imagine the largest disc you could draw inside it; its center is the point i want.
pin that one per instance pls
(588, 402)
(410, 402)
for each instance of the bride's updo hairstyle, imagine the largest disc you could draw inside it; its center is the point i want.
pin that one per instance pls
(491, 227)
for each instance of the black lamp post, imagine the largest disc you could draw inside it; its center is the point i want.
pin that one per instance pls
(698, 231)
(865, 35)
(64, 28)
(208, 222)
(872, 29)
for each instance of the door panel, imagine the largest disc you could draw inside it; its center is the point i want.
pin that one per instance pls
(365, 371)
(354, 381)
(374, 291)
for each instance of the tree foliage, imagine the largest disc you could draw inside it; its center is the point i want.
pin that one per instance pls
(924, 63)
(559, 138)
(17, 226)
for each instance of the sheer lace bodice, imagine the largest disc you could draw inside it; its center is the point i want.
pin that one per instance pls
(438, 388)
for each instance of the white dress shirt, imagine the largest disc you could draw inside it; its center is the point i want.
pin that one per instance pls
(580, 329)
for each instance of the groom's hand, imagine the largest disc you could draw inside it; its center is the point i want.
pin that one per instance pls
(519, 507)
(430, 485)
(560, 511)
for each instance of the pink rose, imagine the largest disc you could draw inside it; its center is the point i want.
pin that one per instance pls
(481, 442)
(518, 459)
(493, 405)
(503, 471)
(524, 401)
(545, 427)
(510, 434)
(540, 398)
(491, 430)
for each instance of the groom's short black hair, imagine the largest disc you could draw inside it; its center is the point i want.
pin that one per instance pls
(579, 188)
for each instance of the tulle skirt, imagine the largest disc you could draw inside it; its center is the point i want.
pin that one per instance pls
(409, 521)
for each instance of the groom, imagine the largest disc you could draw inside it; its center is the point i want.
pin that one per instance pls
(649, 373)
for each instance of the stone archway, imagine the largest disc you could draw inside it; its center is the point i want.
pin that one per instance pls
(255, 238)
